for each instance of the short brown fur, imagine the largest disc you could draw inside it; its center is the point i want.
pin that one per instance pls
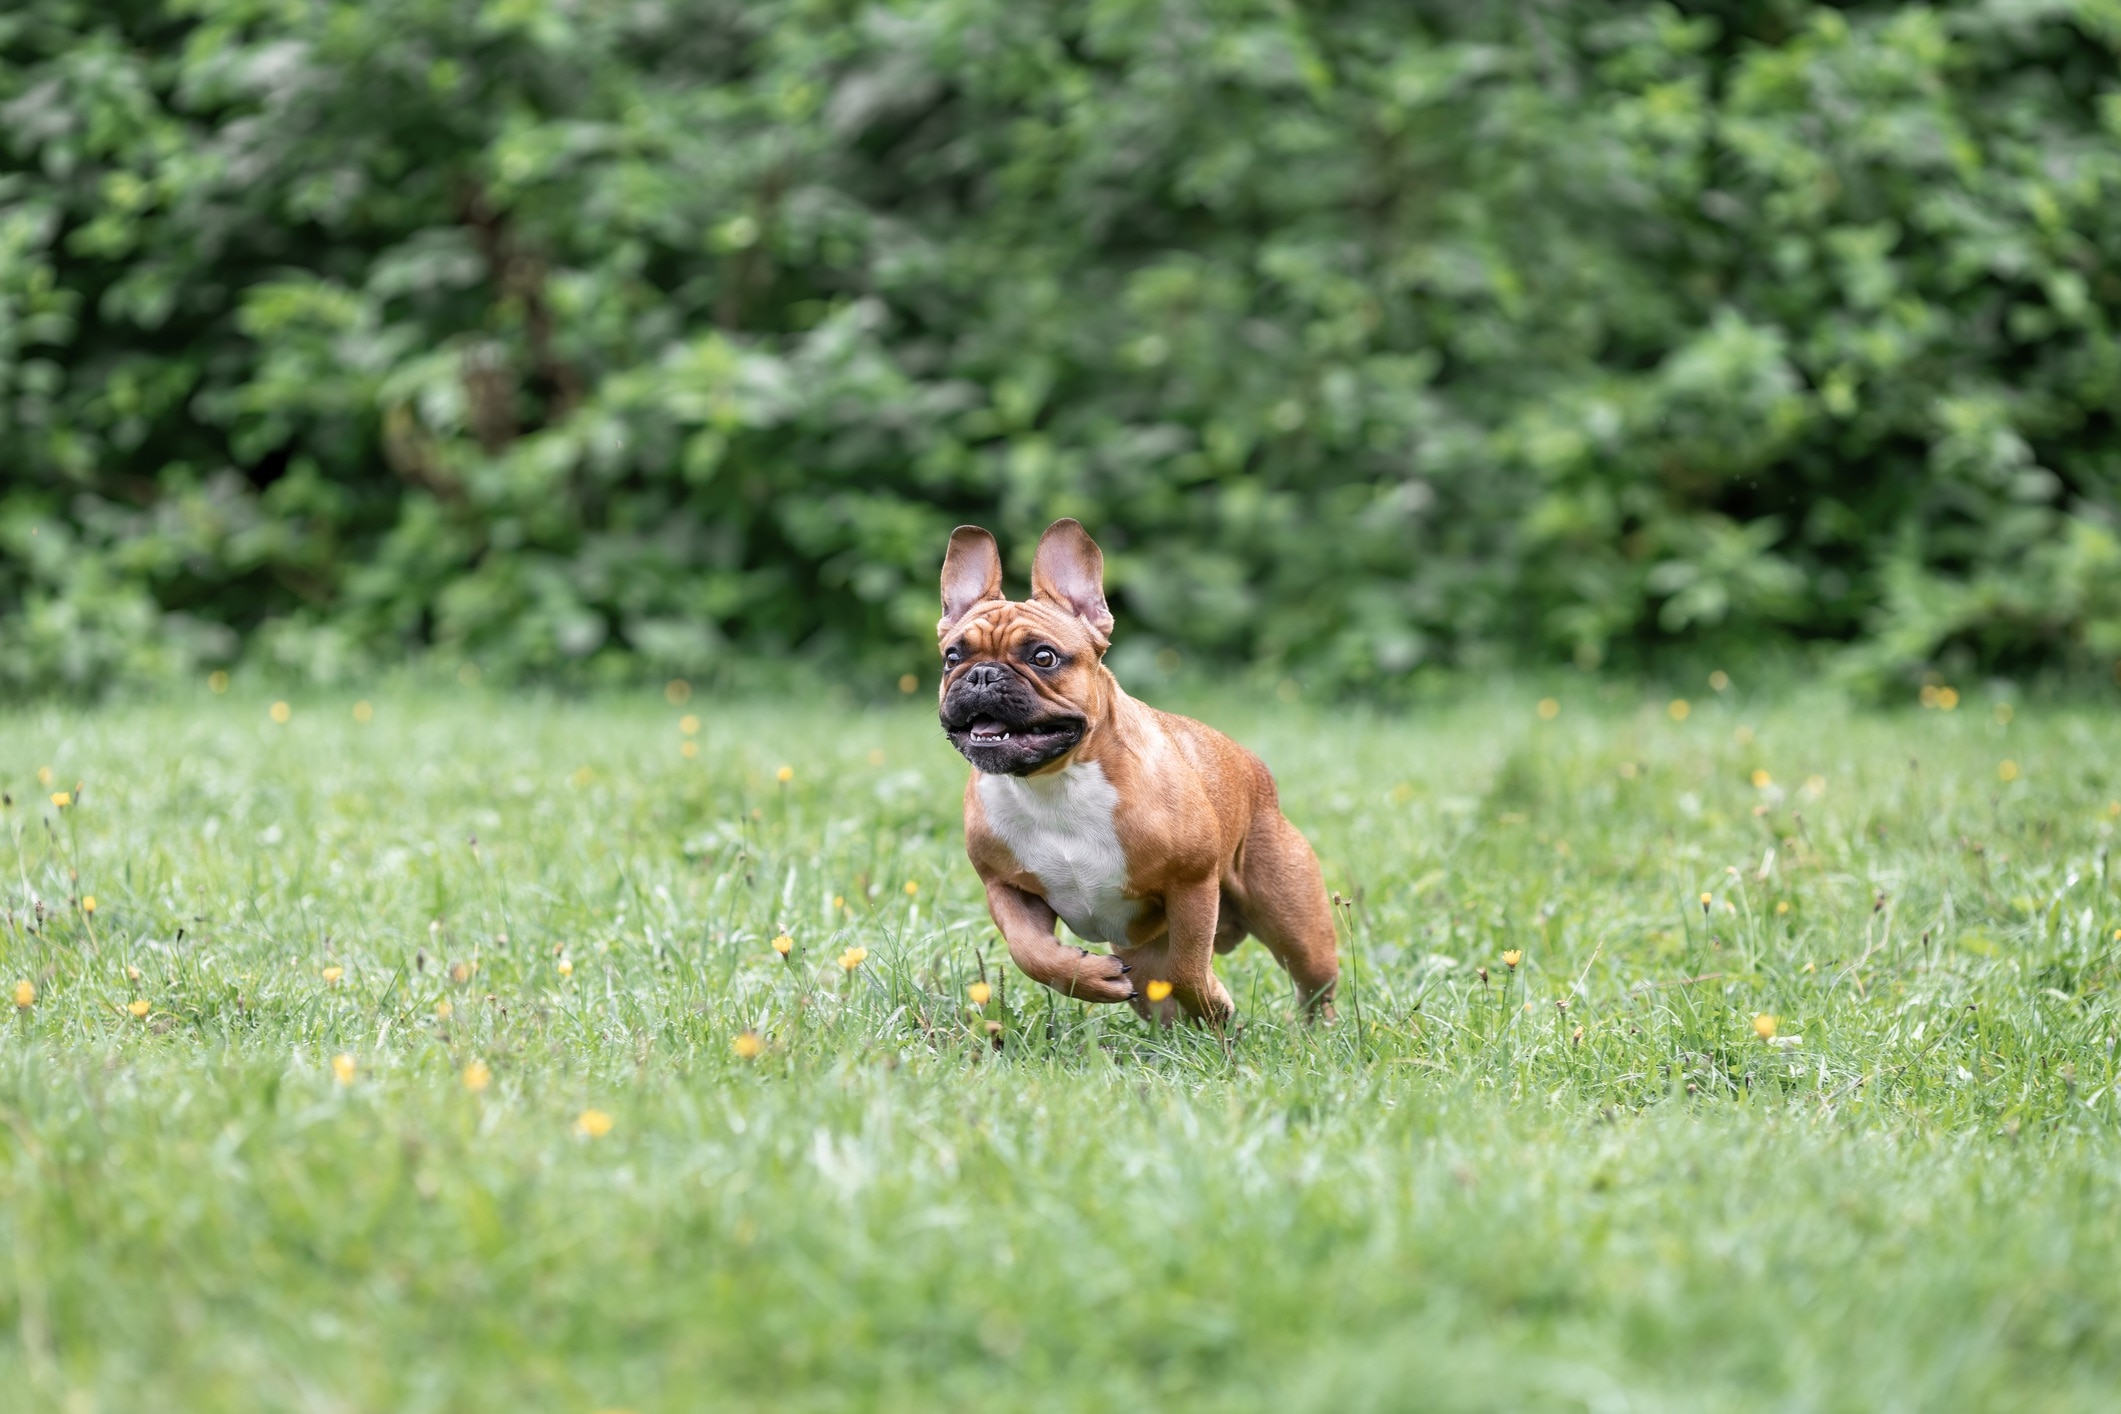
(1209, 856)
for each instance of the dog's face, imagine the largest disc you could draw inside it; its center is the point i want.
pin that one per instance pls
(1021, 680)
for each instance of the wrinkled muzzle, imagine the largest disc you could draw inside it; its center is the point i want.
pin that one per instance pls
(1001, 726)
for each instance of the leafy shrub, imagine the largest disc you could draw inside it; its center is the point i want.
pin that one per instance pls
(582, 340)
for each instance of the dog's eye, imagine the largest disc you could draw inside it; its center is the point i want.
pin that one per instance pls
(953, 656)
(1044, 658)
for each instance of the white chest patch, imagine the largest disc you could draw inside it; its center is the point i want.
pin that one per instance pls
(1059, 827)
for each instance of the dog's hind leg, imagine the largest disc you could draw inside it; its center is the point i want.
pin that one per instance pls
(1283, 894)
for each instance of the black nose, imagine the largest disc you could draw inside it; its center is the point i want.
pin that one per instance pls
(983, 675)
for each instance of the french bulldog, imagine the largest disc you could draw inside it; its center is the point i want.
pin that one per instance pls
(1140, 829)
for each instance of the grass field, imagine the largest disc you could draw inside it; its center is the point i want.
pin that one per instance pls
(396, 1067)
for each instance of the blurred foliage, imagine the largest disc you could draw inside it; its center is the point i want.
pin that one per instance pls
(587, 339)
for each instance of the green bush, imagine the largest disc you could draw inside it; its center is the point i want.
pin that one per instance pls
(583, 340)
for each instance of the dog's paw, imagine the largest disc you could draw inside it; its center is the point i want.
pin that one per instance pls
(1097, 977)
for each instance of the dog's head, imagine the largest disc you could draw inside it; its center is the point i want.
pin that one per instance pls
(1022, 680)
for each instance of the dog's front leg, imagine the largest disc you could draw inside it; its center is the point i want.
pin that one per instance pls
(1027, 926)
(1190, 914)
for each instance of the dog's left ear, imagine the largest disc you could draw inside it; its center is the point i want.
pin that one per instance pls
(1069, 573)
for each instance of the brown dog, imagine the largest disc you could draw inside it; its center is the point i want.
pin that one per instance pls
(1144, 830)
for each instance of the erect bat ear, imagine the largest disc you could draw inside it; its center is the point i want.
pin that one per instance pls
(1069, 573)
(972, 574)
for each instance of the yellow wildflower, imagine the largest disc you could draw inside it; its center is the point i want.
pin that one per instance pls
(748, 1045)
(139, 1006)
(25, 994)
(62, 798)
(280, 713)
(913, 888)
(2008, 771)
(1782, 906)
(132, 974)
(477, 1076)
(1549, 709)
(979, 992)
(1680, 709)
(44, 775)
(88, 904)
(364, 712)
(1762, 780)
(783, 945)
(1947, 698)
(853, 958)
(908, 682)
(785, 774)
(594, 1123)
(1764, 1027)
(1511, 958)
(1720, 680)
(1706, 899)
(566, 968)
(677, 692)
(342, 1068)
(443, 1010)
(333, 974)
(689, 724)
(688, 749)
(1156, 991)
(217, 682)
(460, 972)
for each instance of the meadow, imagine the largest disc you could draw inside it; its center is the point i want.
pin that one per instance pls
(433, 1051)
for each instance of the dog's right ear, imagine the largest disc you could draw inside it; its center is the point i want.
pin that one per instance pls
(972, 575)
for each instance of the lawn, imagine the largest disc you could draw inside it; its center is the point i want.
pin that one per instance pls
(398, 1067)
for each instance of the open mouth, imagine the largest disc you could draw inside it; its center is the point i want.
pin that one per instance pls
(995, 745)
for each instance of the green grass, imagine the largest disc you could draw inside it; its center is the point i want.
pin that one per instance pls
(1451, 1200)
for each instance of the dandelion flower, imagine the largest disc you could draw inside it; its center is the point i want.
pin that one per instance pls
(1764, 1027)
(1762, 780)
(594, 1123)
(280, 713)
(566, 968)
(333, 974)
(342, 1068)
(1680, 709)
(2008, 771)
(913, 888)
(25, 995)
(1511, 958)
(62, 798)
(839, 901)
(979, 992)
(443, 1010)
(783, 944)
(364, 712)
(688, 749)
(689, 724)
(139, 1006)
(1947, 698)
(1549, 709)
(88, 904)
(748, 1045)
(853, 958)
(132, 974)
(477, 1076)
(1706, 899)
(785, 774)
(1157, 990)
(1782, 906)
